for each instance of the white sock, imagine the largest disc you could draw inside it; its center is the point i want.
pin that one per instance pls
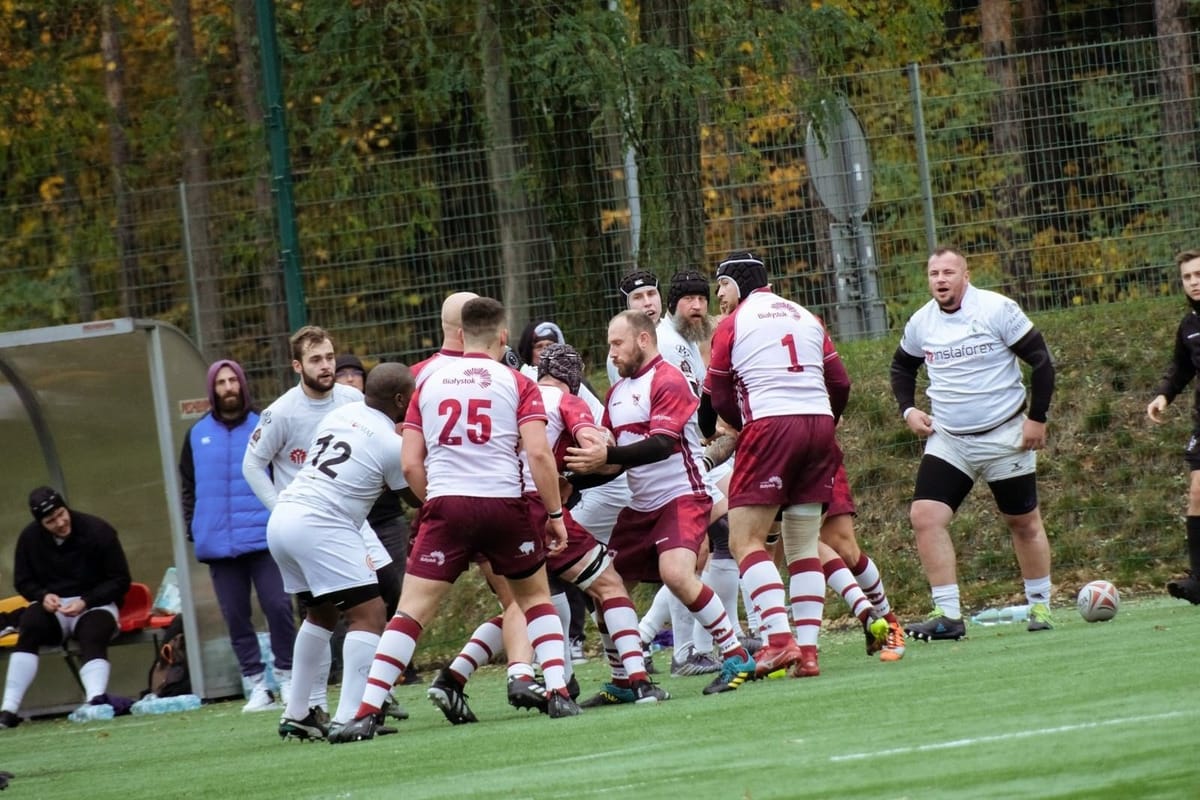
(946, 598)
(656, 615)
(562, 606)
(358, 650)
(682, 624)
(312, 642)
(22, 669)
(94, 677)
(1037, 590)
(319, 694)
(721, 575)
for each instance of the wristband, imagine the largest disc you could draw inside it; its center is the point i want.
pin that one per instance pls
(555, 514)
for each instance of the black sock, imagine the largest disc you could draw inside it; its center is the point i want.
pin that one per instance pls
(1193, 543)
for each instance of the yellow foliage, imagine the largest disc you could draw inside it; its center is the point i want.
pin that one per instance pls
(51, 188)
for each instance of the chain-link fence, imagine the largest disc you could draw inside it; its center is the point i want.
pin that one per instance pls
(1065, 188)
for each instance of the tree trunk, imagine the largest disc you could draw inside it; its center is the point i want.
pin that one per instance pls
(274, 304)
(1008, 144)
(504, 165)
(1178, 119)
(119, 152)
(669, 161)
(189, 79)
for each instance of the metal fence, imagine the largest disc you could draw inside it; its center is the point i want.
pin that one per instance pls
(1084, 203)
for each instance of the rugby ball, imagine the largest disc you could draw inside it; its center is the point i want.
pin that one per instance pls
(1098, 601)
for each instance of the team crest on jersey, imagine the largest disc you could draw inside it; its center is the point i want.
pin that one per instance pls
(637, 398)
(254, 437)
(434, 557)
(298, 456)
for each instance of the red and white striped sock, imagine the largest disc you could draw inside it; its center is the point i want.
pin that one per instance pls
(621, 624)
(806, 584)
(761, 578)
(546, 635)
(396, 648)
(486, 641)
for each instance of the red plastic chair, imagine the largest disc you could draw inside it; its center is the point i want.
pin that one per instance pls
(135, 608)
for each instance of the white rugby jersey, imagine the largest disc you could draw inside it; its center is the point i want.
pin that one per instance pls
(469, 411)
(566, 414)
(657, 400)
(974, 377)
(439, 357)
(354, 454)
(774, 352)
(683, 354)
(284, 433)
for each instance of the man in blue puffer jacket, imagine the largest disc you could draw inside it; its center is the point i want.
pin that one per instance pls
(228, 525)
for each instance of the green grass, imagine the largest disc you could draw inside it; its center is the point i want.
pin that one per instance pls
(1096, 711)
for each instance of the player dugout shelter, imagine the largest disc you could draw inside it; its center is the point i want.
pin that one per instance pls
(99, 411)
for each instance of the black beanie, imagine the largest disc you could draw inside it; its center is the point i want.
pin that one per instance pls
(684, 283)
(561, 361)
(746, 270)
(636, 280)
(44, 501)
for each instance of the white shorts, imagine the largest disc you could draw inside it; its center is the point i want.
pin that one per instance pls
(599, 506)
(994, 456)
(68, 623)
(315, 554)
(376, 552)
(714, 476)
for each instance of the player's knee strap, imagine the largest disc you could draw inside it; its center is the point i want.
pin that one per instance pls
(801, 528)
(596, 561)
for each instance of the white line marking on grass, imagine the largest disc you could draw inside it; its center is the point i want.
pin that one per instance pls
(1002, 737)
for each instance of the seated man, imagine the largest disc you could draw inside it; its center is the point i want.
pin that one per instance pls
(72, 569)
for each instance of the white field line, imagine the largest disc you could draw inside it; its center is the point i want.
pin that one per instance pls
(1004, 737)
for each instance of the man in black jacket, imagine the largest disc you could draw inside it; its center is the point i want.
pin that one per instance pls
(1184, 362)
(71, 568)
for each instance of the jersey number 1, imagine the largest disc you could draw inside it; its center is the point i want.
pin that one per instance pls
(790, 343)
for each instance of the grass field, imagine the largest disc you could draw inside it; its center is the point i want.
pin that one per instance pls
(1098, 711)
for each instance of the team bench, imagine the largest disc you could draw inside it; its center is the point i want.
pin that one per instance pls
(136, 625)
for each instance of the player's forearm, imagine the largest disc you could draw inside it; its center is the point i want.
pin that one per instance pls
(903, 376)
(260, 482)
(545, 478)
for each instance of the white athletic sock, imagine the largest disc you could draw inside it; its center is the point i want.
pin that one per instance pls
(656, 616)
(761, 578)
(562, 607)
(682, 623)
(946, 598)
(22, 669)
(840, 579)
(546, 633)
(319, 694)
(394, 653)
(486, 642)
(620, 631)
(1037, 590)
(94, 677)
(868, 577)
(721, 575)
(312, 642)
(358, 651)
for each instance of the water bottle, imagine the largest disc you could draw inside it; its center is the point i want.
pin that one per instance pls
(989, 616)
(1014, 613)
(1001, 616)
(152, 704)
(88, 712)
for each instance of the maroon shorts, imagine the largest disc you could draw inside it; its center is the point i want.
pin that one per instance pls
(639, 536)
(784, 461)
(454, 528)
(842, 501)
(579, 541)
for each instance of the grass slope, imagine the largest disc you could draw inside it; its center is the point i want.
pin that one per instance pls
(1091, 711)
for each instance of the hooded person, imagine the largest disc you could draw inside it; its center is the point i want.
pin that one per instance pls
(71, 568)
(227, 524)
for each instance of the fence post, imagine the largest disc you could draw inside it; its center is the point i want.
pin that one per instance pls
(914, 83)
(193, 295)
